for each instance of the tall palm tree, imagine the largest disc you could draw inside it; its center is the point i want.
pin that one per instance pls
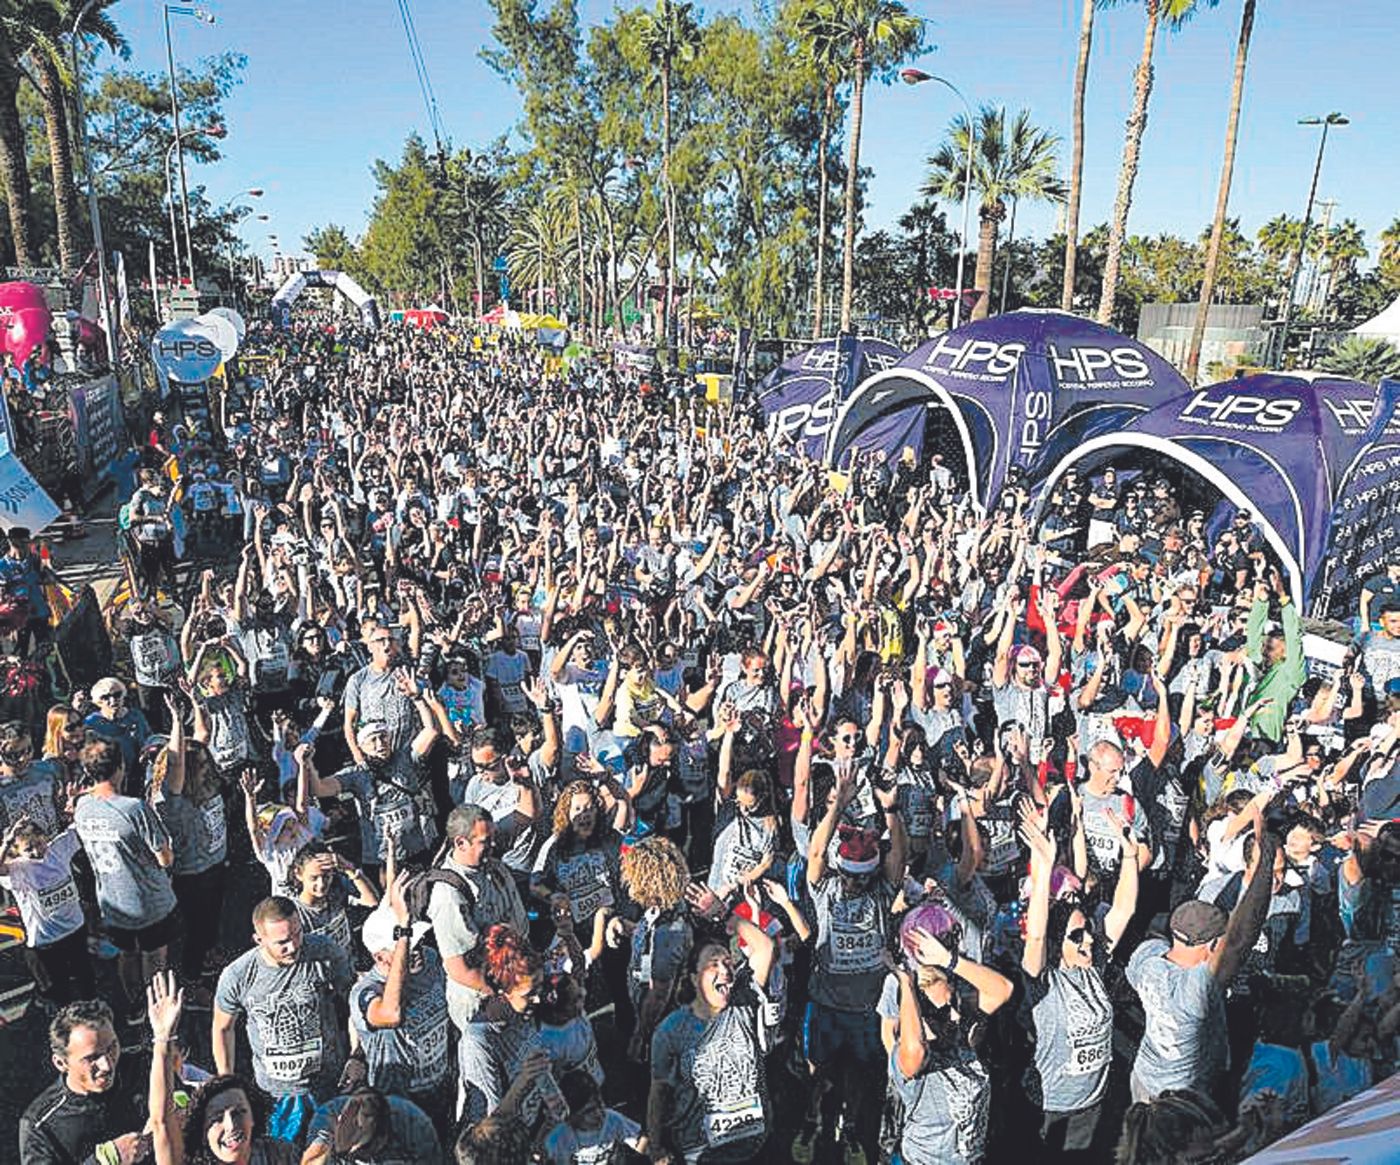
(671, 35)
(880, 33)
(1016, 163)
(16, 34)
(824, 46)
(1222, 197)
(1174, 13)
(1278, 238)
(538, 248)
(1076, 162)
(1389, 261)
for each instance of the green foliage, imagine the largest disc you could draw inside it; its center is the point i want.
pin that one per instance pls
(1365, 358)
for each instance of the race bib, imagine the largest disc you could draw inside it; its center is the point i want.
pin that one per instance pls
(55, 898)
(733, 1124)
(1088, 1053)
(294, 1065)
(854, 952)
(429, 1045)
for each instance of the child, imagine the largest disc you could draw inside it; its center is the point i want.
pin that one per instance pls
(39, 875)
(321, 894)
(592, 1131)
(277, 833)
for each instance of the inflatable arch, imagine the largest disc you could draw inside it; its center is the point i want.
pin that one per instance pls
(337, 281)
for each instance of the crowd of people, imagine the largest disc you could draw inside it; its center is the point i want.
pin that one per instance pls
(601, 782)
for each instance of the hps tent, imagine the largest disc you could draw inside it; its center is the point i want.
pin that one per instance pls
(1316, 458)
(801, 397)
(1385, 326)
(1018, 389)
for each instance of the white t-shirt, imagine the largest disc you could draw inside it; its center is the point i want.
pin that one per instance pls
(45, 891)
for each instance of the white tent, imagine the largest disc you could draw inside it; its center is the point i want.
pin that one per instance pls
(1385, 326)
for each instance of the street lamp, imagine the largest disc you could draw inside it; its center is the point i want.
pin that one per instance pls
(1327, 123)
(207, 18)
(918, 77)
(213, 131)
(94, 212)
(253, 192)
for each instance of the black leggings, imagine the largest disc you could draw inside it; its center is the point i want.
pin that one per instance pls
(63, 970)
(201, 899)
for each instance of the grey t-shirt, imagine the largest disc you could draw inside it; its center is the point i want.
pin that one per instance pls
(848, 965)
(31, 795)
(1184, 1045)
(489, 1058)
(122, 837)
(375, 696)
(411, 1140)
(716, 1074)
(459, 926)
(390, 803)
(945, 1108)
(297, 1040)
(199, 833)
(410, 1058)
(1073, 1019)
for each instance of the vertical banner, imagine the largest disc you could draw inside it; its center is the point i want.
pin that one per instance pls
(155, 280)
(123, 293)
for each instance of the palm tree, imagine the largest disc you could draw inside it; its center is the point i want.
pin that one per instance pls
(880, 33)
(1222, 197)
(1076, 163)
(1337, 252)
(1389, 263)
(1278, 238)
(1016, 164)
(824, 47)
(53, 19)
(16, 34)
(538, 248)
(1365, 358)
(670, 36)
(1175, 13)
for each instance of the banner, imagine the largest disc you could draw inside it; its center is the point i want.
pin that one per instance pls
(1360, 1131)
(186, 352)
(25, 320)
(7, 432)
(123, 292)
(1365, 519)
(98, 426)
(1022, 389)
(23, 501)
(802, 396)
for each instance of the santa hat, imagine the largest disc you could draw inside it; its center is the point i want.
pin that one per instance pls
(859, 851)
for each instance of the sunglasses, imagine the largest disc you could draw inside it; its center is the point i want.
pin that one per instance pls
(1078, 935)
(941, 687)
(846, 737)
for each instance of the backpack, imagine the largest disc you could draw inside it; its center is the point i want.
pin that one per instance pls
(419, 891)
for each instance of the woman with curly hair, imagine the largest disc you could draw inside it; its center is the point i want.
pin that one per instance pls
(655, 875)
(577, 868)
(496, 1045)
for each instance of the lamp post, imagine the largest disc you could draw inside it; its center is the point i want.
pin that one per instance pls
(213, 131)
(918, 77)
(94, 211)
(1327, 123)
(207, 18)
(254, 192)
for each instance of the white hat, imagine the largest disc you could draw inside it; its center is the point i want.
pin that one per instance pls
(377, 933)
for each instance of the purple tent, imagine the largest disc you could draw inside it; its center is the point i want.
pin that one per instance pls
(1019, 389)
(1316, 458)
(800, 398)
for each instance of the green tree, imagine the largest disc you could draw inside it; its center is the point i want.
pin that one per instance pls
(1336, 253)
(881, 34)
(824, 46)
(1016, 162)
(1389, 265)
(670, 36)
(18, 30)
(1222, 198)
(1365, 358)
(332, 248)
(1174, 13)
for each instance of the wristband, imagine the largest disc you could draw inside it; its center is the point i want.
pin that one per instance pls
(106, 1154)
(953, 963)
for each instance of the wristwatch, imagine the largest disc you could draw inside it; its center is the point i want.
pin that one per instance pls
(402, 932)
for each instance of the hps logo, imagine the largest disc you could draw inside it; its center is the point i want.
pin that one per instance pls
(1074, 364)
(1239, 411)
(184, 348)
(809, 419)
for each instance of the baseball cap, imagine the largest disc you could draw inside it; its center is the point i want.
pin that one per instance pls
(377, 933)
(1196, 923)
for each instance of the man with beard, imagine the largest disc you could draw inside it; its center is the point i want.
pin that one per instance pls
(98, 1101)
(289, 987)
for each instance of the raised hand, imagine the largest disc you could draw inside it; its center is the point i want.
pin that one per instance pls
(929, 951)
(164, 1001)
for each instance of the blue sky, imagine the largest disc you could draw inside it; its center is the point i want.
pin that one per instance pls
(330, 87)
